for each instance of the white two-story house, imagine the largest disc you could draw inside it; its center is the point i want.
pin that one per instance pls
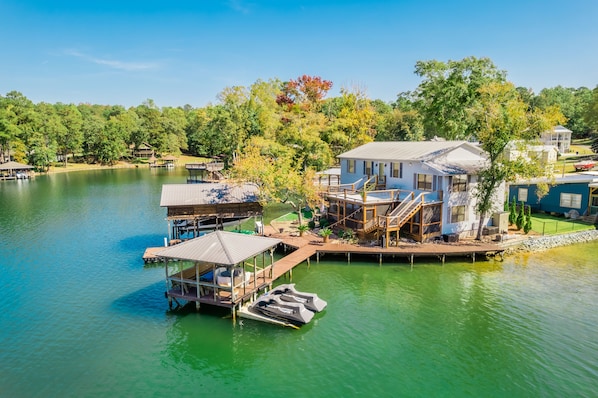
(417, 189)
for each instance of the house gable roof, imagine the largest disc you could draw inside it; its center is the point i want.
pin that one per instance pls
(447, 157)
(463, 159)
(401, 150)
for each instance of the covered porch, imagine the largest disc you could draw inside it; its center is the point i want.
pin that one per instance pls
(385, 214)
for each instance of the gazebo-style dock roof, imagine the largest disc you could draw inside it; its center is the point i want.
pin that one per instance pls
(226, 270)
(9, 170)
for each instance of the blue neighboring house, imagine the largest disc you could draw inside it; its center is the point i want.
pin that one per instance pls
(568, 194)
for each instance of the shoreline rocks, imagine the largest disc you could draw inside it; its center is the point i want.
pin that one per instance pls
(533, 244)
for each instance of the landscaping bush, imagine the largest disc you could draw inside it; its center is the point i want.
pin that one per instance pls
(528, 220)
(520, 217)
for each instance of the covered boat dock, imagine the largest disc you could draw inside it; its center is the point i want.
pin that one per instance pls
(194, 208)
(15, 171)
(227, 269)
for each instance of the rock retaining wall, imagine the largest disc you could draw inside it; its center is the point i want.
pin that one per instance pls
(548, 242)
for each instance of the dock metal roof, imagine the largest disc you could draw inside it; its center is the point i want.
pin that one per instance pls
(220, 247)
(208, 193)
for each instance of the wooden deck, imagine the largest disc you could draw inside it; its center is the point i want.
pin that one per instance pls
(310, 245)
(303, 249)
(149, 256)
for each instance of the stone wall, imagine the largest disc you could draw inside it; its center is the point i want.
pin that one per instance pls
(548, 242)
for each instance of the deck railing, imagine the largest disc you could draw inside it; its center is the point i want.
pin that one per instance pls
(399, 216)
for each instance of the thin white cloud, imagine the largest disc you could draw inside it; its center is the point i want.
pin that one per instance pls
(114, 64)
(239, 6)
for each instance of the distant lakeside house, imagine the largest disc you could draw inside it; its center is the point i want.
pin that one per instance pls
(544, 154)
(571, 194)
(421, 190)
(559, 136)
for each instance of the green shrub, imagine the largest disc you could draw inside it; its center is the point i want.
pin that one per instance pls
(528, 220)
(520, 217)
(513, 212)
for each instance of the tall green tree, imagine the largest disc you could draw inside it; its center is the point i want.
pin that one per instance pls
(213, 132)
(19, 123)
(352, 123)
(591, 111)
(41, 142)
(500, 116)
(262, 100)
(572, 102)
(174, 123)
(270, 165)
(111, 142)
(150, 129)
(448, 90)
(69, 139)
(92, 128)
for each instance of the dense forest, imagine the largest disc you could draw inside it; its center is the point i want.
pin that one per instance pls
(291, 118)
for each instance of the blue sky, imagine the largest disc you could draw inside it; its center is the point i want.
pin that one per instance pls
(187, 51)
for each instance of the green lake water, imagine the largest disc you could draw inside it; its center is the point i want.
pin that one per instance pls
(81, 316)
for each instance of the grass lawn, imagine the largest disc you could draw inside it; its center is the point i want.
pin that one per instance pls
(581, 149)
(272, 211)
(293, 216)
(545, 224)
(58, 167)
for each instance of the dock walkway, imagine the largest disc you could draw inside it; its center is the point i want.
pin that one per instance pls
(313, 244)
(309, 245)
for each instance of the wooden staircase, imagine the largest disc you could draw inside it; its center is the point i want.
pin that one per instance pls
(397, 217)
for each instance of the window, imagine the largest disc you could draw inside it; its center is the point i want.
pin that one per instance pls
(397, 170)
(460, 183)
(571, 200)
(424, 182)
(368, 165)
(458, 213)
(522, 195)
(351, 166)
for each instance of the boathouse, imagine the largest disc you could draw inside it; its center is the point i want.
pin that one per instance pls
(143, 151)
(421, 190)
(221, 268)
(15, 170)
(204, 172)
(195, 208)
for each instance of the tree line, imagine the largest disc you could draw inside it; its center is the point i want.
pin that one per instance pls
(288, 118)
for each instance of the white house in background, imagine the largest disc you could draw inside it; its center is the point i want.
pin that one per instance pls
(418, 189)
(559, 136)
(546, 154)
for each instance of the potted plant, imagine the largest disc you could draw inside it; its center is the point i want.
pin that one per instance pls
(325, 233)
(302, 228)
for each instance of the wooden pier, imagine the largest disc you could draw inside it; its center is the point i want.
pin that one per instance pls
(190, 286)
